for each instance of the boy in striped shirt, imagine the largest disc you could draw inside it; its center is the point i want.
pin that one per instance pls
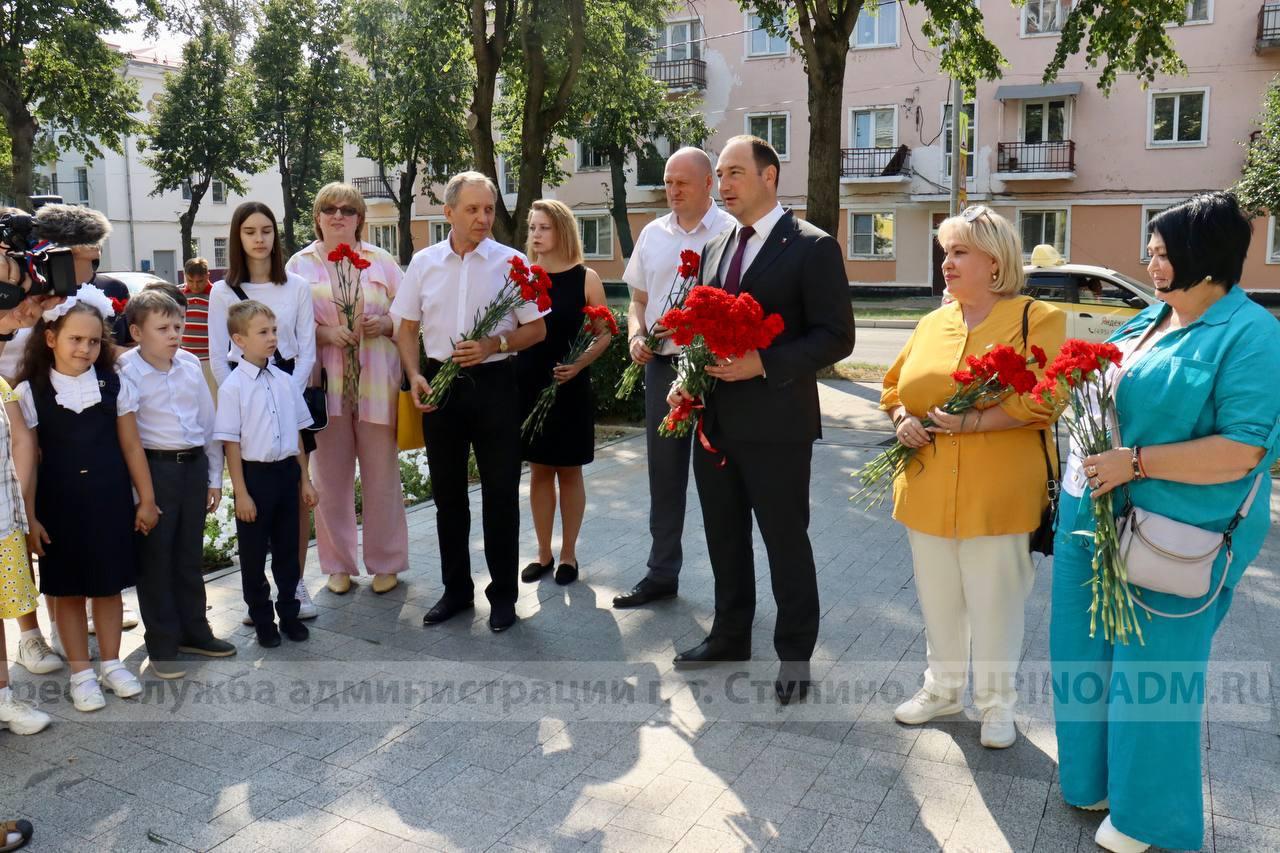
(195, 331)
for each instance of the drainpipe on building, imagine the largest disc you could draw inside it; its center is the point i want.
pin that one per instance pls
(128, 195)
(957, 106)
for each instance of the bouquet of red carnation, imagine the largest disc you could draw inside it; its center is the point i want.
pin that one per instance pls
(599, 319)
(713, 324)
(524, 283)
(348, 264)
(686, 275)
(988, 380)
(1078, 379)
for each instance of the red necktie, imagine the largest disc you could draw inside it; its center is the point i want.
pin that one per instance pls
(733, 277)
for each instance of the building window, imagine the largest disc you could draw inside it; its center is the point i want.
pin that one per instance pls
(1044, 121)
(386, 237)
(439, 231)
(1179, 118)
(679, 40)
(220, 252)
(1043, 226)
(877, 25)
(1148, 214)
(1199, 11)
(1273, 240)
(1041, 17)
(969, 140)
(217, 189)
(875, 128)
(773, 128)
(509, 172)
(597, 236)
(761, 42)
(871, 236)
(591, 158)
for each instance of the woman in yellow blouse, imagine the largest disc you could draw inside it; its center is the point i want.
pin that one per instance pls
(971, 501)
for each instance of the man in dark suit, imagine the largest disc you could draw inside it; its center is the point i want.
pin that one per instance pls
(762, 416)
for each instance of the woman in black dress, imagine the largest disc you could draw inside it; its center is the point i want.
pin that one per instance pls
(566, 441)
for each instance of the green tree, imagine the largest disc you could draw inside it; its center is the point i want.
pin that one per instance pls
(56, 71)
(413, 86)
(200, 130)
(301, 84)
(232, 18)
(1259, 184)
(1121, 37)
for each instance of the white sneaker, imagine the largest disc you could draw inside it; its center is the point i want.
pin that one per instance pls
(35, 655)
(20, 717)
(128, 619)
(87, 695)
(55, 643)
(923, 707)
(1109, 838)
(122, 682)
(306, 608)
(998, 730)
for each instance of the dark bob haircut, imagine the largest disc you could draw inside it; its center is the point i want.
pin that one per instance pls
(1206, 236)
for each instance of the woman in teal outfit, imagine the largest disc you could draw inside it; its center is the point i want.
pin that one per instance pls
(1200, 419)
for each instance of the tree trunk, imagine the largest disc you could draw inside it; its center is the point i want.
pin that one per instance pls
(187, 219)
(404, 207)
(826, 84)
(487, 50)
(22, 140)
(286, 190)
(618, 207)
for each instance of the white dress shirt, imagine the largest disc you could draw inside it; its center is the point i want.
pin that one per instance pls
(174, 407)
(262, 409)
(445, 293)
(764, 227)
(656, 257)
(295, 321)
(75, 393)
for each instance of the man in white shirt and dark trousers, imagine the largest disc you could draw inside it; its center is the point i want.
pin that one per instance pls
(651, 274)
(445, 287)
(164, 385)
(260, 413)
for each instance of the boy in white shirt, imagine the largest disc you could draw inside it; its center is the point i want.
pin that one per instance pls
(260, 411)
(165, 387)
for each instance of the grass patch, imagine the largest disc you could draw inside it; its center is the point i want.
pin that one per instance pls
(854, 371)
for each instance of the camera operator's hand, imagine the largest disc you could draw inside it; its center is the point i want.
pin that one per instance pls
(27, 314)
(10, 270)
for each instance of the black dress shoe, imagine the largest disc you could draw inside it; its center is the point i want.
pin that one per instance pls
(567, 573)
(210, 648)
(268, 635)
(712, 651)
(502, 617)
(444, 610)
(295, 630)
(533, 571)
(793, 682)
(644, 592)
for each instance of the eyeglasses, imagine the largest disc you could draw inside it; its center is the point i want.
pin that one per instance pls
(969, 214)
(333, 210)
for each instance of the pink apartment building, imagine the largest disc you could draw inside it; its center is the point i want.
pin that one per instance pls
(1071, 167)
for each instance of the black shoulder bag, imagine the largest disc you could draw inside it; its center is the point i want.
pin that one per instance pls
(1042, 538)
(315, 397)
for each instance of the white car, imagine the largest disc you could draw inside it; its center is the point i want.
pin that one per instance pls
(135, 281)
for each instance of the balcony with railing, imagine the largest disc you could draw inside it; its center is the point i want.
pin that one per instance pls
(650, 171)
(1035, 161)
(680, 73)
(1269, 26)
(875, 165)
(372, 186)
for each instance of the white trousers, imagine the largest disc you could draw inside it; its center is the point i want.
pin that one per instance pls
(972, 593)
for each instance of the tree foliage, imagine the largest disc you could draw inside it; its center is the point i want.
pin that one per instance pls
(56, 71)
(201, 129)
(413, 88)
(1259, 185)
(232, 18)
(302, 89)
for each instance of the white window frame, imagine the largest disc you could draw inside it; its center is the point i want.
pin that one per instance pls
(695, 40)
(891, 212)
(1022, 28)
(853, 121)
(884, 7)
(1148, 212)
(392, 229)
(942, 137)
(583, 167)
(221, 246)
(1044, 102)
(597, 255)
(77, 172)
(1203, 142)
(1065, 212)
(746, 128)
(752, 30)
(217, 187)
(1273, 240)
(438, 230)
(505, 175)
(1192, 23)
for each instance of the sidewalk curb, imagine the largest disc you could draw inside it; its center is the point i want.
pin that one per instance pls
(884, 324)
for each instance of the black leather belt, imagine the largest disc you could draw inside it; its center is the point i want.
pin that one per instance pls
(191, 454)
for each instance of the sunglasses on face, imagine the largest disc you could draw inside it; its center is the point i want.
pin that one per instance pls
(334, 210)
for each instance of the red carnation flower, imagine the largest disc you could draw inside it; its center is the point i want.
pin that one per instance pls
(689, 264)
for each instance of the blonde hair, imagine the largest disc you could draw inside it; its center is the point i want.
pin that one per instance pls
(242, 313)
(981, 228)
(568, 242)
(339, 193)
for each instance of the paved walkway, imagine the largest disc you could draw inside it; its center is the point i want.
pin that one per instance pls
(572, 732)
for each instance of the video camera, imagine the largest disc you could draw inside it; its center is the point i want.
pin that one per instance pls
(41, 246)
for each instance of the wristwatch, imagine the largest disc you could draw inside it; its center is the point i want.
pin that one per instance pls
(503, 346)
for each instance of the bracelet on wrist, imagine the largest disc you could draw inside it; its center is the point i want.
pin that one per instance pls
(1136, 460)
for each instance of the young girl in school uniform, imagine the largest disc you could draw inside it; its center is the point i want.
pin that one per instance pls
(84, 512)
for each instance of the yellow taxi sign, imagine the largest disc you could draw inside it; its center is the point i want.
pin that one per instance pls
(1045, 255)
